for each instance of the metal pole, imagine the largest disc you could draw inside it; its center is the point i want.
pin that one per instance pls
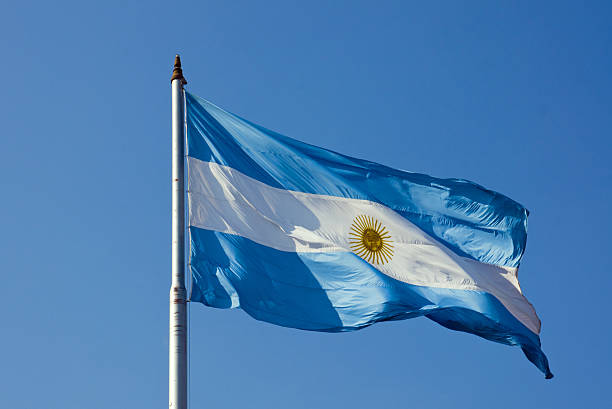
(178, 311)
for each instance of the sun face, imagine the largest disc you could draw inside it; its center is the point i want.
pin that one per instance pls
(370, 240)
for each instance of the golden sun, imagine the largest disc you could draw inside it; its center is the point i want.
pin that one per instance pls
(370, 240)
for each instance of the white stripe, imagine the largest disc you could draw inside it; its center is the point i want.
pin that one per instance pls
(225, 200)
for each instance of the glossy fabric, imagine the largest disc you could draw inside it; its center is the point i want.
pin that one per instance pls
(336, 290)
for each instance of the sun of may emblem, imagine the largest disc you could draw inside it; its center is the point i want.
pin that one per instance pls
(370, 240)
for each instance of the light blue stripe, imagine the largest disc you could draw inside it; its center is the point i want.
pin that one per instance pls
(471, 220)
(337, 292)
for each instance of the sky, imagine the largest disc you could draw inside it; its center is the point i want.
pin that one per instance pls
(515, 96)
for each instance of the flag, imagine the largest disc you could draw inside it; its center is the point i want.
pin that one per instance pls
(307, 238)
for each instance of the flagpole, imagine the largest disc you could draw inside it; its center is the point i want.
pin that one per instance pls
(178, 312)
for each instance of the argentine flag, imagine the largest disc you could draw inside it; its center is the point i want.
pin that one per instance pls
(307, 238)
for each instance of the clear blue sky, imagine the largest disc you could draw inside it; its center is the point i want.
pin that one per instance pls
(516, 97)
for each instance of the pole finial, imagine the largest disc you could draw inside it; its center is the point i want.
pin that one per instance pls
(177, 73)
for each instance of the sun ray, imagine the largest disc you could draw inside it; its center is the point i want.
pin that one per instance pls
(358, 222)
(386, 254)
(362, 251)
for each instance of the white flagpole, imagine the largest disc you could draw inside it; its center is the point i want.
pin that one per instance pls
(178, 311)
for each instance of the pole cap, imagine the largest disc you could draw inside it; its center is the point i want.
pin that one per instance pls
(177, 73)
